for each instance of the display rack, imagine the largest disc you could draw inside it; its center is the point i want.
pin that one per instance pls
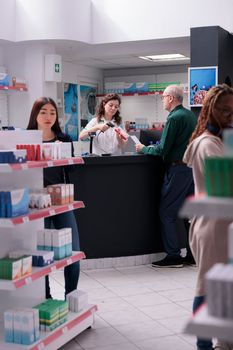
(38, 272)
(13, 88)
(36, 214)
(147, 93)
(76, 323)
(202, 324)
(143, 93)
(20, 233)
(7, 168)
(212, 207)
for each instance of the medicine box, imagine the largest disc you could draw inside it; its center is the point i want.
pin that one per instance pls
(13, 156)
(48, 240)
(78, 300)
(9, 326)
(39, 257)
(27, 327)
(142, 87)
(65, 150)
(41, 239)
(59, 244)
(4, 79)
(58, 194)
(17, 327)
(26, 265)
(71, 193)
(42, 257)
(68, 241)
(10, 269)
(130, 87)
(21, 326)
(26, 262)
(19, 202)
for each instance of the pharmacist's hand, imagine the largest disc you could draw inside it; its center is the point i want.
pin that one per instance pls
(121, 134)
(119, 137)
(139, 147)
(103, 127)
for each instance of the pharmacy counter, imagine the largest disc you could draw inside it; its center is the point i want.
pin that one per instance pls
(121, 196)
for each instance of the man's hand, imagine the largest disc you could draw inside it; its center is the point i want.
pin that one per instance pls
(139, 147)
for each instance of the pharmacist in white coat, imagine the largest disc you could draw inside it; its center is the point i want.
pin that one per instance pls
(106, 128)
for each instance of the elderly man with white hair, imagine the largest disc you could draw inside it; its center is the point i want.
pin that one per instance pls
(178, 179)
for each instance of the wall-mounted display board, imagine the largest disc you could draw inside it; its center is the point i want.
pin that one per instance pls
(201, 79)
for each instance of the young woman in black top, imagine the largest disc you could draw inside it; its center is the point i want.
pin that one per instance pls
(44, 116)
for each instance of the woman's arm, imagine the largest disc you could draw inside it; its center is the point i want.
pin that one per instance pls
(84, 134)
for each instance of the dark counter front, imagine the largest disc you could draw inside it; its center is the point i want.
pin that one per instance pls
(121, 196)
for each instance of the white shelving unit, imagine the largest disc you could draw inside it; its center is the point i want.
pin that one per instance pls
(13, 88)
(148, 93)
(38, 272)
(36, 214)
(76, 323)
(212, 207)
(20, 233)
(8, 168)
(202, 324)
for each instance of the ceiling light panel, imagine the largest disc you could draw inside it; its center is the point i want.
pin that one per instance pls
(167, 57)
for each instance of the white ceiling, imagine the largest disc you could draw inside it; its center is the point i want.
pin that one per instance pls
(122, 55)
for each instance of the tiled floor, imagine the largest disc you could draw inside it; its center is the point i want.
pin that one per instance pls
(138, 308)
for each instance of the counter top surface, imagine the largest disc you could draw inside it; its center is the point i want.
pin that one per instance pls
(122, 159)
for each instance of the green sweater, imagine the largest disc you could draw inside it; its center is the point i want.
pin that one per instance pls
(178, 129)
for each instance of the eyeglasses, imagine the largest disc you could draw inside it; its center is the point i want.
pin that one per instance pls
(163, 96)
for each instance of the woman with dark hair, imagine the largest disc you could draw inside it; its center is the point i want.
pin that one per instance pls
(107, 119)
(208, 237)
(44, 117)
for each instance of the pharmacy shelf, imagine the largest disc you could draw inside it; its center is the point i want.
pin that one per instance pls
(36, 214)
(6, 168)
(38, 272)
(212, 207)
(76, 323)
(143, 93)
(206, 326)
(13, 88)
(146, 93)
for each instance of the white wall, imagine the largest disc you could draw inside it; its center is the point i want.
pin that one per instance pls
(1, 58)
(27, 61)
(7, 22)
(53, 19)
(92, 21)
(103, 21)
(126, 20)
(74, 73)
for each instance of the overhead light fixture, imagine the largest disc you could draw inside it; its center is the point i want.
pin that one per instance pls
(168, 57)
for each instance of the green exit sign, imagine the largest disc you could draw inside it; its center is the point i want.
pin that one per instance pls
(57, 68)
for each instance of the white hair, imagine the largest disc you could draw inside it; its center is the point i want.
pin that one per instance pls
(176, 91)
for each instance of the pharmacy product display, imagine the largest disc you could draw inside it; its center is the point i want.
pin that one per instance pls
(22, 288)
(214, 319)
